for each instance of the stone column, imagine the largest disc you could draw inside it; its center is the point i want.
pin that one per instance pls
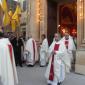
(37, 18)
(43, 17)
(28, 14)
(80, 54)
(32, 24)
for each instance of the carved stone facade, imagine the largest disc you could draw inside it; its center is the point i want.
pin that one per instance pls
(37, 25)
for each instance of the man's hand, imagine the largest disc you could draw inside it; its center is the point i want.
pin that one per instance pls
(53, 52)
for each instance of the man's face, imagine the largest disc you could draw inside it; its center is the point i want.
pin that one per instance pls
(42, 37)
(66, 36)
(56, 37)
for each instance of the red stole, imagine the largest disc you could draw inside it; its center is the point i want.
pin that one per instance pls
(51, 75)
(11, 56)
(66, 43)
(10, 51)
(33, 49)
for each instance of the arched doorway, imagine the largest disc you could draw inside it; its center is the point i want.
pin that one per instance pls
(62, 14)
(68, 18)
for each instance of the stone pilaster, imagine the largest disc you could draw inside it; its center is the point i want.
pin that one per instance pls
(32, 24)
(80, 54)
(43, 17)
(37, 18)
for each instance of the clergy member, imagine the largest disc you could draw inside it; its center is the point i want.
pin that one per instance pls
(43, 51)
(8, 72)
(55, 72)
(69, 43)
(31, 52)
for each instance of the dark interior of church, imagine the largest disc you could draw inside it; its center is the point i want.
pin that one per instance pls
(64, 14)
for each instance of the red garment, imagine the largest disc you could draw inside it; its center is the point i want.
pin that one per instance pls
(10, 51)
(33, 49)
(51, 76)
(56, 47)
(66, 43)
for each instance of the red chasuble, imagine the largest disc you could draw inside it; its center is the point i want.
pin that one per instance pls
(66, 43)
(11, 56)
(51, 75)
(33, 49)
(10, 51)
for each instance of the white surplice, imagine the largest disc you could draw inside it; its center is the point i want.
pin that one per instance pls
(31, 52)
(43, 52)
(8, 72)
(58, 64)
(69, 54)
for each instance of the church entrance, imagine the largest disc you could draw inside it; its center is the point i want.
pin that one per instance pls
(61, 16)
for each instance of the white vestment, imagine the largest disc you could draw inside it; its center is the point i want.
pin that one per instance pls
(31, 52)
(69, 54)
(43, 52)
(8, 72)
(58, 64)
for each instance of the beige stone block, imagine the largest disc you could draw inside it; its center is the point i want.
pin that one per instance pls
(80, 69)
(80, 62)
(80, 57)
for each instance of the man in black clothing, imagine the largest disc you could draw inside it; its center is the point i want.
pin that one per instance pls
(17, 45)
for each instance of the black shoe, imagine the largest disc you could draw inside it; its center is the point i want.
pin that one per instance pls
(21, 65)
(42, 66)
(49, 84)
(16, 64)
(30, 65)
(59, 83)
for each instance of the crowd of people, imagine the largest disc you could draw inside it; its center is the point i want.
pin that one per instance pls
(16, 50)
